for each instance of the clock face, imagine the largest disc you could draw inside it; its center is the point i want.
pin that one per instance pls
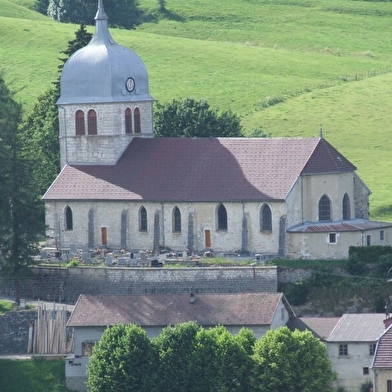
(130, 84)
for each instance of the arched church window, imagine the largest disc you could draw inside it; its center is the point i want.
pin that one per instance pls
(324, 209)
(136, 117)
(142, 219)
(265, 218)
(92, 122)
(68, 218)
(222, 217)
(79, 123)
(346, 207)
(176, 220)
(128, 121)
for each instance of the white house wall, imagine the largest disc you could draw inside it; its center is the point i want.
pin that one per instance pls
(317, 245)
(349, 368)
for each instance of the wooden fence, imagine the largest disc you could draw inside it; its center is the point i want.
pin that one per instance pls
(49, 334)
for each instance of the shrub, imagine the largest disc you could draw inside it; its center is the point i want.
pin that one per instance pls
(366, 386)
(369, 254)
(296, 293)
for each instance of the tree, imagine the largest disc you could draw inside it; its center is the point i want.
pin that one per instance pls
(191, 118)
(184, 357)
(41, 128)
(176, 346)
(122, 13)
(21, 210)
(220, 362)
(41, 6)
(287, 361)
(123, 360)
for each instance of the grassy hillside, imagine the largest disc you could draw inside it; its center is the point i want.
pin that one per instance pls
(286, 66)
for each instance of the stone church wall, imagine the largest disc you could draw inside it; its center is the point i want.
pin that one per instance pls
(66, 284)
(121, 223)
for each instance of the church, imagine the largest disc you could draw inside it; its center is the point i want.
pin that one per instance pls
(121, 188)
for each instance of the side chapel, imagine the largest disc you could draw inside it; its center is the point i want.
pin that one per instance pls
(119, 187)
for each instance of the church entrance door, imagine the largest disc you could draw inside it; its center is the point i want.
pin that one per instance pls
(104, 236)
(207, 238)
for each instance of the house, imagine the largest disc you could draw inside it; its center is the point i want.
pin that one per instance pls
(92, 314)
(382, 361)
(321, 327)
(351, 344)
(120, 187)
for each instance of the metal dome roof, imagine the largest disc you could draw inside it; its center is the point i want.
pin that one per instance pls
(99, 71)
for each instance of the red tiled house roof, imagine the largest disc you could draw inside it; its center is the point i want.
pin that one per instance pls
(201, 169)
(383, 355)
(162, 310)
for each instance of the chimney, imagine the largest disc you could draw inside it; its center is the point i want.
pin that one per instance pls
(387, 322)
(388, 319)
(192, 298)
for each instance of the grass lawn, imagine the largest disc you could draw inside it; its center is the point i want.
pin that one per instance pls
(37, 375)
(5, 306)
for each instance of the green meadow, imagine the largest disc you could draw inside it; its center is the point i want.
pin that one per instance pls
(288, 67)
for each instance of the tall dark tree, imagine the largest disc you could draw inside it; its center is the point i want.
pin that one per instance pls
(20, 205)
(122, 13)
(41, 6)
(191, 118)
(41, 128)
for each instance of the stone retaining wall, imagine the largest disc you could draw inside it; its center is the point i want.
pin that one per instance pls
(14, 331)
(66, 284)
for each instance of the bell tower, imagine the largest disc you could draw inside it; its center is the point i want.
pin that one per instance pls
(104, 100)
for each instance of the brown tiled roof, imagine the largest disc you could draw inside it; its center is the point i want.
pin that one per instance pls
(383, 355)
(321, 327)
(326, 159)
(341, 226)
(200, 169)
(161, 310)
(366, 327)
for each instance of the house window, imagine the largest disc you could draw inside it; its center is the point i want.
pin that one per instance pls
(176, 220)
(343, 350)
(266, 218)
(346, 207)
(142, 219)
(324, 209)
(332, 238)
(389, 385)
(368, 240)
(372, 349)
(87, 348)
(92, 122)
(222, 218)
(382, 237)
(79, 123)
(365, 371)
(128, 121)
(136, 117)
(68, 219)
